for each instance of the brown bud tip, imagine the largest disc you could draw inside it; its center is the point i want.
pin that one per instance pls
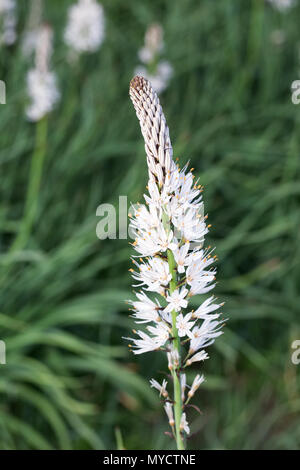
(138, 83)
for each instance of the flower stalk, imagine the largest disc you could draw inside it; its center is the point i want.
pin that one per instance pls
(176, 372)
(35, 176)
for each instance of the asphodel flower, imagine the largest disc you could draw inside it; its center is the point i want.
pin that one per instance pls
(172, 264)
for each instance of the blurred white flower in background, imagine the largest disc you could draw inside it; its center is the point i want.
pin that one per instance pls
(85, 29)
(154, 44)
(31, 34)
(158, 72)
(282, 5)
(41, 82)
(8, 22)
(42, 89)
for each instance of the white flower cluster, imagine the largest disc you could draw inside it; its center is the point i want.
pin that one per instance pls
(85, 28)
(158, 72)
(8, 21)
(173, 264)
(282, 5)
(41, 82)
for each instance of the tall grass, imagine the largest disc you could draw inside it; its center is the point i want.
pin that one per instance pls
(69, 381)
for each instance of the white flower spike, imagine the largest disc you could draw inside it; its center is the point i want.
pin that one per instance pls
(41, 82)
(173, 265)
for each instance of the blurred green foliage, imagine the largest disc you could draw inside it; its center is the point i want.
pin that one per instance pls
(69, 381)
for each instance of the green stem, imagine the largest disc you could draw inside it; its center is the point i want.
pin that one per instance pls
(175, 373)
(31, 203)
(119, 439)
